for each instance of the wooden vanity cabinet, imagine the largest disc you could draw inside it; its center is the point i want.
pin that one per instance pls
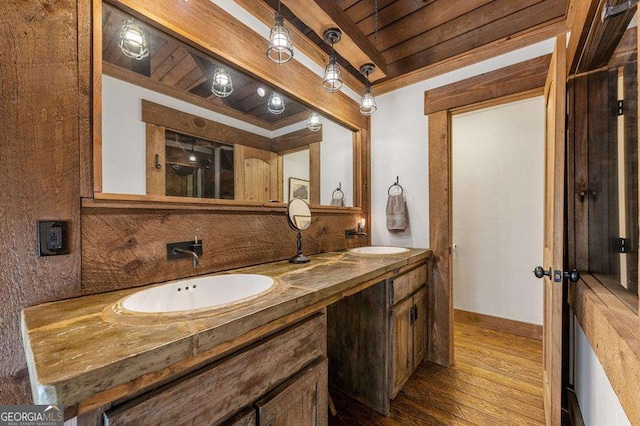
(302, 400)
(377, 338)
(221, 391)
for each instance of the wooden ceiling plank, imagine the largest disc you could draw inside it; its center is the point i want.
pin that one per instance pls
(295, 139)
(161, 55)
(165, 67)
(627, 50)
(522, 20)
(180, 71)
(265, 14)
(320, 15)
(522, 77)
(425, 19)
(390, 15)
(499, 47)
(364, 8)
(292, 119)
(345, 4)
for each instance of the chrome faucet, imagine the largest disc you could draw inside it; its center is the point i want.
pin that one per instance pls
(193, 254)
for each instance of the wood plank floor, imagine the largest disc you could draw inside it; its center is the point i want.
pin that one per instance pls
(496, 380)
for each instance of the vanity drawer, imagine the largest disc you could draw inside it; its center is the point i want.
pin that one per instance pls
(215, 392)
(406, 284)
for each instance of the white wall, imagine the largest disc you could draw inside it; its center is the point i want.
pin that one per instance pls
(597, 399)
(498, 194)
(123, 133)
(400, 147)
(294, 165)
(336, 161)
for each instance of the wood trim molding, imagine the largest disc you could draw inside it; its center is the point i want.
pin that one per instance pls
(487, 51)
(575, 414)
(440, 297)
(203, 23)
(612, 330)
(519, 328)
(515, 79)
(499, 101)
(96, 113)
(194, 125)
(295, 140)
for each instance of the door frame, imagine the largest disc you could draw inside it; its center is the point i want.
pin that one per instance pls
(505, 85)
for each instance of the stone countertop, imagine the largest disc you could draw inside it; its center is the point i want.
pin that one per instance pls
(78, 347)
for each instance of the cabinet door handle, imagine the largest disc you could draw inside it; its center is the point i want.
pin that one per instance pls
(411, 316)
(415, 315)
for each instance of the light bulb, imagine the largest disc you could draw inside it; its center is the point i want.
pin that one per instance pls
(133, 42)
(313, 123)
(332, 81)
(280, 48)
(275, 105)
(368, 103)
(222, 83)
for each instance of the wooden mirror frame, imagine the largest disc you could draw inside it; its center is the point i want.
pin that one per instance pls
(185, 22)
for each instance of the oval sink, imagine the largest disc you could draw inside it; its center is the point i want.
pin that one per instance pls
(379, 250)
(197, 293)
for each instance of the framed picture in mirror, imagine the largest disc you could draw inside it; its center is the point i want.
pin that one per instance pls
(299, 188)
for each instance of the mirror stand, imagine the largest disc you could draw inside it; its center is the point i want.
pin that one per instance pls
(299, 258)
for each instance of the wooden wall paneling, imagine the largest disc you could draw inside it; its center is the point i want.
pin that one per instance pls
(473, 55)
(582, 14)
(156, 177)
(630, 95)
(40, 128)
(315, 172)
(203, 23)
(197, 126)
(320, 15)
(298, 139)
(281, 185)
(440, 297)
(265, 14)
(124, 248)
(539, 13)
(518, 78)
(627, 50)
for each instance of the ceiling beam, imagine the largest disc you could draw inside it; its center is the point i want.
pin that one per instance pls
(265, 14)
(355, 47)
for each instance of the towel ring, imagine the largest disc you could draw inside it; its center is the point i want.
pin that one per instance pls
(396, 184)
(337, 193)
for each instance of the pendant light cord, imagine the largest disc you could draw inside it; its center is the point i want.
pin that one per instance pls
(375, 23)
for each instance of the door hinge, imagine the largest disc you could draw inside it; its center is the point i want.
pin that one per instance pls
(557, 276)
(623, 245)
(621, 107)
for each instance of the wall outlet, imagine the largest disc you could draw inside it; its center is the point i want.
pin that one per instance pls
(53, 238)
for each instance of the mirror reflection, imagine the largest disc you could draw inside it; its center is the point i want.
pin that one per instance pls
(177, 122)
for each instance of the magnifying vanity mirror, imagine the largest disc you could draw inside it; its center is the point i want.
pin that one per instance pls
(178, 122)
(299, 218)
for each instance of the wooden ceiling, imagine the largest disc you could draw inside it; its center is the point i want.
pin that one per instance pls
(174, 65)
(413, 34)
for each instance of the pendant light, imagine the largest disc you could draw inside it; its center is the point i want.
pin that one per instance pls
(275, 105)
(133, 42)
(332, 81)
(222, 84)
(368, 103)
(313, 123)
(280, 48)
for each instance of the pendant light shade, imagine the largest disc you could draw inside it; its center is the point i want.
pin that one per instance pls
(275, 104)
(332, 81)
(368, 103)
(313, 123)
(222, 83)
(133, 42)
(280, 47)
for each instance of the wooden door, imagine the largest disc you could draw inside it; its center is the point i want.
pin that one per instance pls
(419, 326)
(302, 400)
(555, 99)
(256, 174)
(400, 345)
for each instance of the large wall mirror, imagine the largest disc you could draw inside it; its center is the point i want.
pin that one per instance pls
(177, 122)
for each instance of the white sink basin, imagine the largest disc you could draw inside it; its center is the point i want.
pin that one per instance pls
(197, 293)
(379, 250)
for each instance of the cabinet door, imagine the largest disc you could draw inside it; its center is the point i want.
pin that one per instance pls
(419, 326)
(401, 345)
(300, 401)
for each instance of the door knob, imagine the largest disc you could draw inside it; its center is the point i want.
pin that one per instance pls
(573, 276)
(539, 272)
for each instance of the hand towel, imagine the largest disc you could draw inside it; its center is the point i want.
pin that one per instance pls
(337, 201)
(396, 213)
